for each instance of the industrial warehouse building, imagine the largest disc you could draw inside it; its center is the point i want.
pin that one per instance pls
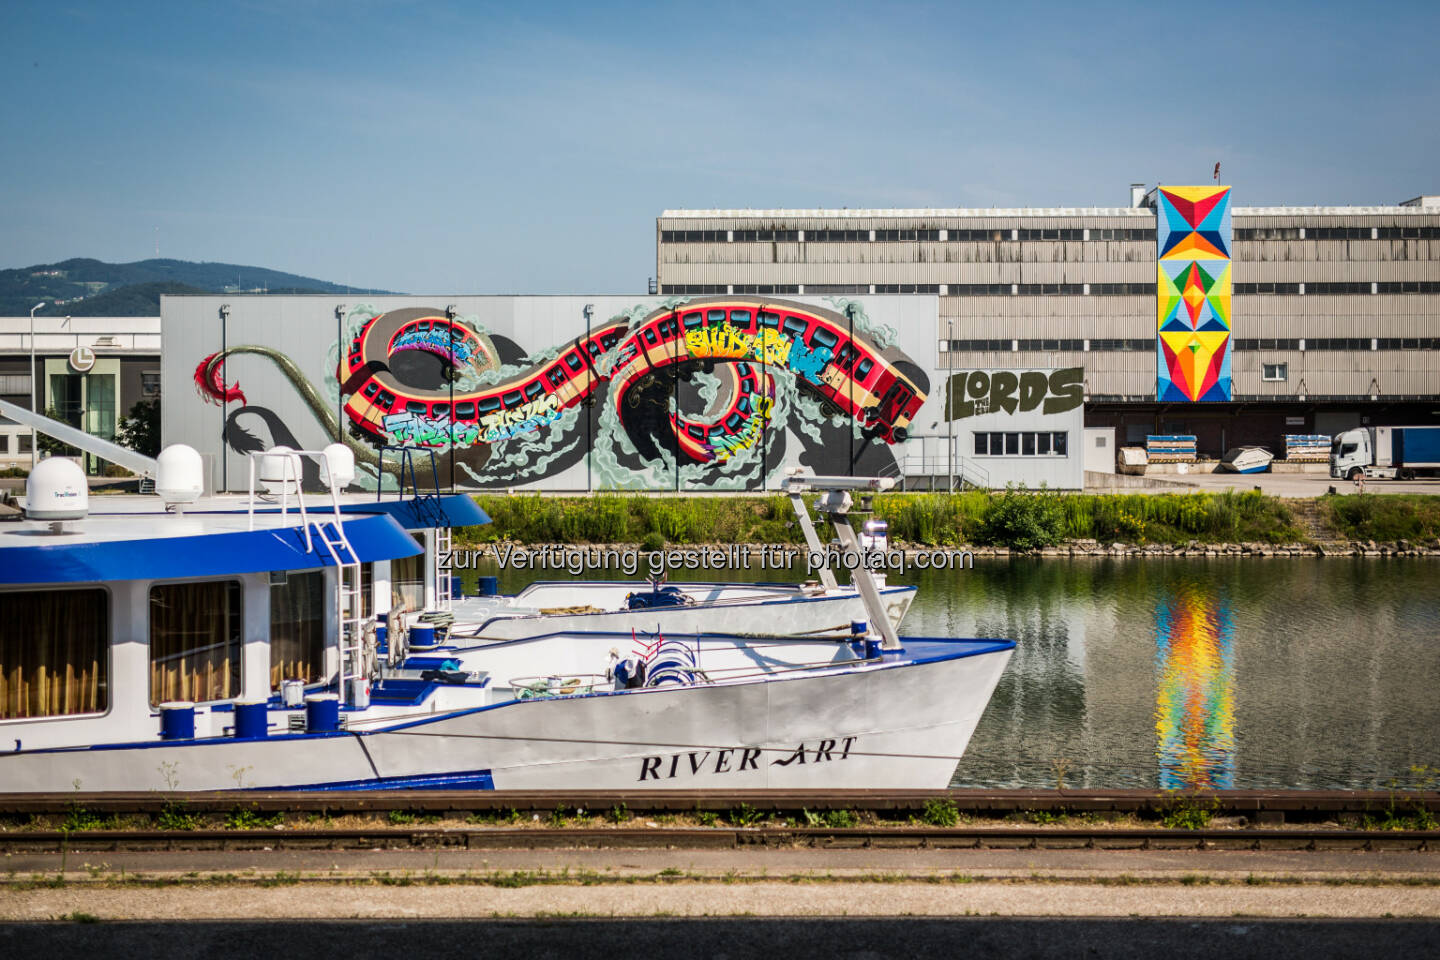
(1336, 310)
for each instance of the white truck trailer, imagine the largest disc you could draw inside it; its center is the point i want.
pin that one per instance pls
(1386, 453)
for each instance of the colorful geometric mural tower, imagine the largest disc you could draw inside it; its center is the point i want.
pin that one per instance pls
(1193, 294)
(1195, 695)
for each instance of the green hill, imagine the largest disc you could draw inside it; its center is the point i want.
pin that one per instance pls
(92, 288)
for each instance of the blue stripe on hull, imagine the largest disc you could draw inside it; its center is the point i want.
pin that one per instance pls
(460, 780)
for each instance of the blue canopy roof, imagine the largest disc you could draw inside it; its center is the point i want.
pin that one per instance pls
(419, 513)
(136, 552)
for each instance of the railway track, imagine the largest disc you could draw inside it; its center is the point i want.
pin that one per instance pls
(977, 838)
(1267, 807)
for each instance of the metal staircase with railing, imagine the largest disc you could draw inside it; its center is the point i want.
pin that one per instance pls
(333, 545)
(427, 507)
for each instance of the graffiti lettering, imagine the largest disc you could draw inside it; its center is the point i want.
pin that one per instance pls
(411, 430)
(978, 392)
(723, 341)
(809, 362)
(522, 419)
(726, 445)
(773, 348)
(436, 341)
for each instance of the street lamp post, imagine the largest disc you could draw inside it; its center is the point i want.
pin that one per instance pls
(34, 437)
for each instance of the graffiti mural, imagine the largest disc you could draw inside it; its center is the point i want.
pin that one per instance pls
(715, 392)
(1195, 702)
(1193, 294)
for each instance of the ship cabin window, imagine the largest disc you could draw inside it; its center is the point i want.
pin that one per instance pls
(694, 320)
(407, 581)
(863, 368)
(534, 390)
(297, 628)
(573, 361)
(195, 641)
(796, 326)
(768, 319)
(465, 411)
(53, 656)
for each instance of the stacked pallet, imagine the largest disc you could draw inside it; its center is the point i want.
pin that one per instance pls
(1307, 447)
(1170, 448)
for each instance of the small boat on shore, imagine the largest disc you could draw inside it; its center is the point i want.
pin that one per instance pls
(153, 645)
(1246, 460)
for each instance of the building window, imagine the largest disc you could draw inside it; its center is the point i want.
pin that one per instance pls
(195, 641)
(696, 289)
(53, 656)
(150, 383)
(25, 443)
(15, 385)
(297, 628)
(1028, 444)
(1274, 371)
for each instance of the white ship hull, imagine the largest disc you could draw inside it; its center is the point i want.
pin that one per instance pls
(898, 723)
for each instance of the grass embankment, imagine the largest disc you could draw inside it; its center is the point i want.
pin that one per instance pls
(1383, 518)
(1009, 518)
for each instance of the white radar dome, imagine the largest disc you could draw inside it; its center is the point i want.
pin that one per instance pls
(280, 470)
(56, 490)
(179, 474)
(341, 460)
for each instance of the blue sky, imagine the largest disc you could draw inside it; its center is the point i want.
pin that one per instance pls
(480, 148)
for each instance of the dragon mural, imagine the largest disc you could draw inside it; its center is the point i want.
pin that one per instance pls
(706, 391)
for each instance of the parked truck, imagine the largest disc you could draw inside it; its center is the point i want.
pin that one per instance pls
(1386, 453)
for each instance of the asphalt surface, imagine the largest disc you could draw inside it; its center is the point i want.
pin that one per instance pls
(725, 939)
(1293, 485)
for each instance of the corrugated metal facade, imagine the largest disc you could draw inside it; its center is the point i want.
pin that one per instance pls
(1400, 245)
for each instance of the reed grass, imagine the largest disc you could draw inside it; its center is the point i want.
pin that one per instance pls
(1386, 517)
(1015, 518)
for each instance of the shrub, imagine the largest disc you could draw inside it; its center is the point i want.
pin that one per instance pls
(1025, 521)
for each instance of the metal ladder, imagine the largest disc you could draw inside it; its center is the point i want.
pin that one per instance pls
(349, 603)
(443, 598)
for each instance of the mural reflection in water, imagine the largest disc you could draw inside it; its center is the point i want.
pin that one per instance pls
(1195, 696)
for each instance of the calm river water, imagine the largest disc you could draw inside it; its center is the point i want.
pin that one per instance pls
(1245, 673)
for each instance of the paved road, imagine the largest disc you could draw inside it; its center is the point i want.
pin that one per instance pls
(1300, 484)
(728, 939)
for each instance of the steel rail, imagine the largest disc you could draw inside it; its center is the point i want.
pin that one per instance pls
(481, 838)
(1255, 804)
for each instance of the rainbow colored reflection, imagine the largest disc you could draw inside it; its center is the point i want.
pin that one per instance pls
(1195, 701)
